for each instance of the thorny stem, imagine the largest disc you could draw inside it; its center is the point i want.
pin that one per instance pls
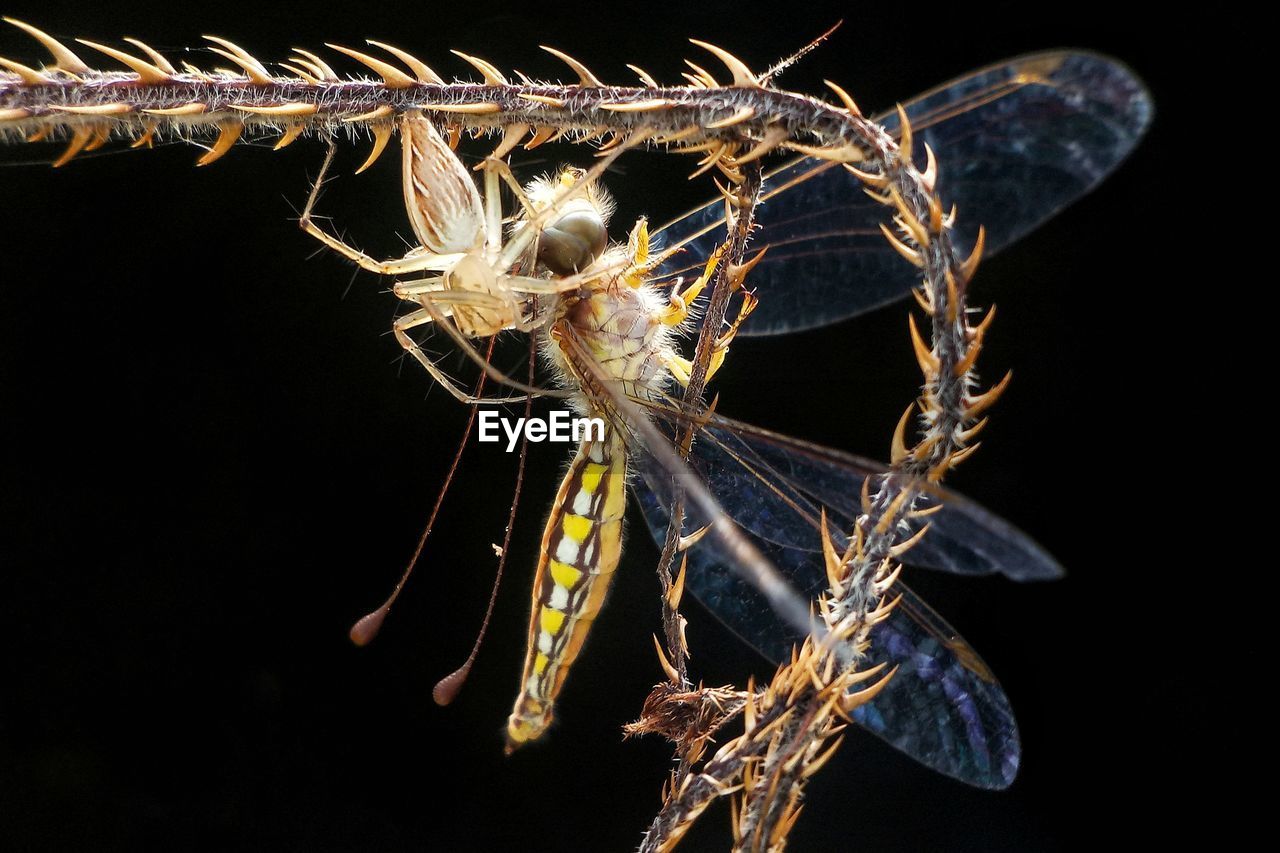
(789, 726)
(342, 105)
(747, 196)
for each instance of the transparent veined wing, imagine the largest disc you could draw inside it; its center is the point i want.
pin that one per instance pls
(943, 707)
(1015, 142)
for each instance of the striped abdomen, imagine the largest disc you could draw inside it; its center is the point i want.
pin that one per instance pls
(580, 551)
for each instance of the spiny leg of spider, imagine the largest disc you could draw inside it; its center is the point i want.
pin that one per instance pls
(424, 316)
(430, 314)
(416, 260)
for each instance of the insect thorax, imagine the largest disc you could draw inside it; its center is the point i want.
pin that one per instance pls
(619, 322)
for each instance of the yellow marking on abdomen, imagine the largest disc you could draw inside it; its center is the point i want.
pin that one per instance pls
(577, 527)
(552, 620)
(564, 574)
(568, 592)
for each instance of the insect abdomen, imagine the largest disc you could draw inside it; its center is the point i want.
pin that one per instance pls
(580, 550)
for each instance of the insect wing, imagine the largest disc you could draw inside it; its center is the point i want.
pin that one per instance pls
(1015, 143)
(943, 707)
(776, 488)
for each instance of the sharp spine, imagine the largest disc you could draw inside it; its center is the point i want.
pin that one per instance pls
(392, 76)
(227, 136)
(742, 75)
(147, 73)
(253, 69)
(64, 59)
(492, 76)
(585, 77)
(420, 69)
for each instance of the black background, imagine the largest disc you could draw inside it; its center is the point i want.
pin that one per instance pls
(212, 460)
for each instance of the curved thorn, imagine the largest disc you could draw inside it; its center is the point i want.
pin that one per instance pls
(392, 76)
(871, 178)
(63, 58)
(192, 109)
(840, 154)
(975, 336)
(644, 76)
(907, 219)
(970, 266)
(585, 77)
(666, 664)
(742, 75)
(960, 455)
(740, 116)
(101, 136)
(850, 106)
(14, 114)
(491, 75)
(381, 134)
(974, 406)
(898, 450)
(511, 137)
(29, 75)
(922, 298)
(886, 583)
(639, 106)
(953, 295)
(935, 212)
(965, 435)
(540, 136)
(902, 248)
(903, 547)
(476, 109)
(227, 137)
(930, 174)
(326, 72)
(965, 364)
(383, 111)
(677, 588)
(305, 76)
(146, 139)
(977, 332)
(291, 133)
(773, 137)
(79, 139)
(544, 100)
(677, 135)
(95, 110)
(147, 73)
(252, 67)
(160, 62)
(904, 131)
(831, 561)
(420, 69)
(703, 74)
(295, 109)
(712, 158)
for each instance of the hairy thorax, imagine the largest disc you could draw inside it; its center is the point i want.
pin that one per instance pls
(619, 322)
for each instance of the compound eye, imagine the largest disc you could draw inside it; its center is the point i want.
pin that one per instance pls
(572, 242)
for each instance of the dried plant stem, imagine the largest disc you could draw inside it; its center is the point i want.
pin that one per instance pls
(790, 724)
